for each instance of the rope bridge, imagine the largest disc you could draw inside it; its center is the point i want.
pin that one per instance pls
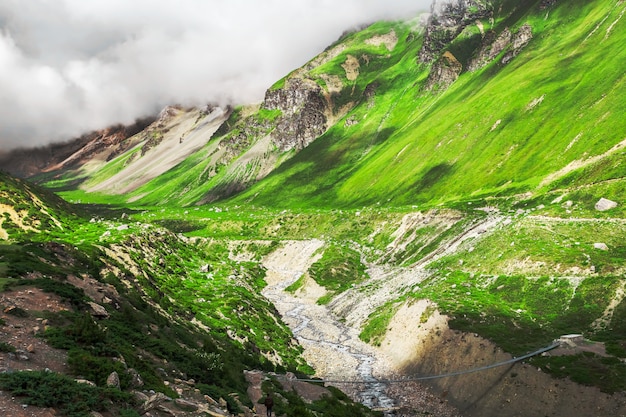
(423, 378)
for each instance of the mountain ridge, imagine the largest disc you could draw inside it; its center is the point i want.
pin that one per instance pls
(326, 108)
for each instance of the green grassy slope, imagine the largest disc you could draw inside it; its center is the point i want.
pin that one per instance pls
(197, 176)
(26, 209)
(501, 130)
(184, 306)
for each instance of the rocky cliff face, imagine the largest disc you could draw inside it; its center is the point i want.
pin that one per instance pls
(444, 72)
(303, 113)
(447, 20)
(493, 45)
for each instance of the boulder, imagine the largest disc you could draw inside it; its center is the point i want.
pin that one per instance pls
(98, 311)
(601, 246)
(154, 401)
(140, 396)
(604, 204)
(186, 405)
(113, 380)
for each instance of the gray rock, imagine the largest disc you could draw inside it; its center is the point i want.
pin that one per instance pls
(604, 204)
(97, 310)
(186, 405)
(140, 396)
(153, 402)
(113, 380)
(601, 246)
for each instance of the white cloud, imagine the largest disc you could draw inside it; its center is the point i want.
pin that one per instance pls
(69, 66)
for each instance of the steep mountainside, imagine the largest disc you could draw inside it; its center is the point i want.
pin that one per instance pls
(486, 101)
(542, 121)
(73, 154)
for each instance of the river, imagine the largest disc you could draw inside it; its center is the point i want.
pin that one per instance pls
(333, 349)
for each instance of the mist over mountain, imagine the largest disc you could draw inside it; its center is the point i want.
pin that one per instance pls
(70, 66)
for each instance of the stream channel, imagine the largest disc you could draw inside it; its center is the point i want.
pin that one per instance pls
(332, 348)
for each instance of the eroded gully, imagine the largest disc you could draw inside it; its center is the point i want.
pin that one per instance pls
(332, 348)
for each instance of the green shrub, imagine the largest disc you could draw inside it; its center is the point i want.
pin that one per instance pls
(17, 312)
(609, 374)
(96, 369)
(338, 269)
(5, 347)
(72, 399)
(81, 330)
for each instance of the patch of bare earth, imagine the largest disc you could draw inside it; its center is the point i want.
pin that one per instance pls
(420, 344)
(32, 353)
(389, 40)
(351, 67)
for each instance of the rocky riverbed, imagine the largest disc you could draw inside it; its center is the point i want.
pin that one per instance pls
(334, 349)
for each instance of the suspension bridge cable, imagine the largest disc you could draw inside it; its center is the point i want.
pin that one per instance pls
(423, 378)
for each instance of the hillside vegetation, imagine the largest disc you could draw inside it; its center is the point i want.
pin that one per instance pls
(158, 309)
(532, 125)
(474, 165)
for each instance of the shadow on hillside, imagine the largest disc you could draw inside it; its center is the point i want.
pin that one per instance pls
(104, 211)
(432, 176)
(314, 172)
(72, 185)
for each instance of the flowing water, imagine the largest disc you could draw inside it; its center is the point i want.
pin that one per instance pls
(332, 348)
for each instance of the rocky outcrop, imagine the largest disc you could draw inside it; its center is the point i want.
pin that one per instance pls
(605, 204)
(518, 42)
(492, 46)
(447, 20)
(444, 72)
(154, 132)
(303, 116)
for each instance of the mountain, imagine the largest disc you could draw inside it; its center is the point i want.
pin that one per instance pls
(524, 114)
(450, 191)
(27, 162)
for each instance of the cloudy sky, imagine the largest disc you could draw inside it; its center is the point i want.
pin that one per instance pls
(70, 66)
